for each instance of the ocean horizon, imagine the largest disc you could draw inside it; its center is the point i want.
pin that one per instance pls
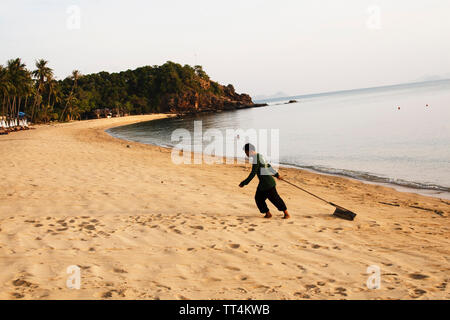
(365, 89)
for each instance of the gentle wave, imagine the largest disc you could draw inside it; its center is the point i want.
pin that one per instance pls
(366, 176)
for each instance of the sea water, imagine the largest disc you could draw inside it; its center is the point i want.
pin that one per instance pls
(397, 135)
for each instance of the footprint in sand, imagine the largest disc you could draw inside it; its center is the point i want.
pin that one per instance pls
(320, 283)
(21, 283)
(242, 277)
(232, 268)
(110, 293)
(341, 291)
(301, 268)
(312, 288)
(241, 290)
(22, 287)
(17, 295)
(442, 286)
(302, 295)
(418, 276)
(417, 293)
(119, 270)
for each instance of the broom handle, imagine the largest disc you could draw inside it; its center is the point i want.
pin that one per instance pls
(306, 191)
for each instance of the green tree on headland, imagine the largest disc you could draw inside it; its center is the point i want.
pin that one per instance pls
(71, 102)
(43, 74)
(170, 87)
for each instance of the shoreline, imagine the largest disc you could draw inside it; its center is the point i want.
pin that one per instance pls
(140, 227)
(439, 194)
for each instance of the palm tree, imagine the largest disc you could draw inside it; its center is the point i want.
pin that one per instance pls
(73, 111)
(43, 75)
(57, 98)
(52, 91)
(70, 99)
(5, 87)
(27, 90)
(20, 79)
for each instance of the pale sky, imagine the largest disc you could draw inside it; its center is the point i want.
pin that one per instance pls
(261, 47)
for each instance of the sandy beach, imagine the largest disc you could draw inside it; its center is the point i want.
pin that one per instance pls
(141, 227)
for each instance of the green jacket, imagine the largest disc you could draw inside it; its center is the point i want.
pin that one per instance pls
(265, 174)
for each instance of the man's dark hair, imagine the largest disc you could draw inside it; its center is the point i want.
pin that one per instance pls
(249, 147)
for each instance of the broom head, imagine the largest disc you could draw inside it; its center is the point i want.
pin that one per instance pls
(343, 213)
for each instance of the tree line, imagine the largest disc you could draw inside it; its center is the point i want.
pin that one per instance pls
(141, 91)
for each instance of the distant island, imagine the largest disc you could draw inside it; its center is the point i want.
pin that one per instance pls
(169, 88)
(279, 94)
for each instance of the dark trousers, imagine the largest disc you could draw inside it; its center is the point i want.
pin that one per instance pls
(273, 196)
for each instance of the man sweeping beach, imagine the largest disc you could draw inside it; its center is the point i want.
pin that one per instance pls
(267, 185)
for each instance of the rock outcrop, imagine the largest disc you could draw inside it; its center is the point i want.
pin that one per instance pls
(207, 101)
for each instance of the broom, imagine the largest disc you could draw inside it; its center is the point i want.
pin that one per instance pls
(340, 212)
